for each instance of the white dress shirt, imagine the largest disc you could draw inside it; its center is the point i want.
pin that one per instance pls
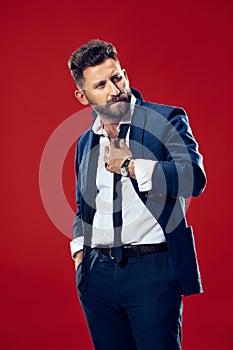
(139, 225)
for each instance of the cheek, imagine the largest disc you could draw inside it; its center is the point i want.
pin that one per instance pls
(101, 98)
(123, 86)
(98, 97)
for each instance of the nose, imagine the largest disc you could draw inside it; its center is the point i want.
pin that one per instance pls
(113, 89)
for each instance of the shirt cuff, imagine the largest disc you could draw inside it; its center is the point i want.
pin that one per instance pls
(143, 169)
(76, 245)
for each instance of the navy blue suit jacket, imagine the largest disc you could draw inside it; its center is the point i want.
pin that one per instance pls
(161, 133)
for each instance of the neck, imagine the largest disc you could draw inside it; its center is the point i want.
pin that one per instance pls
(112, 129)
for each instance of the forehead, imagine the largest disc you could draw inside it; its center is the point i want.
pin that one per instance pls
(101, 72)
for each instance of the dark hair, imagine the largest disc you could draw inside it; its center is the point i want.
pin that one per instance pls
(89, 55)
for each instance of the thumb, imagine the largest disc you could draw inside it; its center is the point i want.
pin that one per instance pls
(122, 144)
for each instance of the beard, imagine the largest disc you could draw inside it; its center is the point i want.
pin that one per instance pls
(115, 109)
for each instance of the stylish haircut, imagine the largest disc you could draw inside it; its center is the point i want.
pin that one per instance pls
(89, 55)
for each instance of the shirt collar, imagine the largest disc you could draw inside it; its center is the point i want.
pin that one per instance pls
(98, 124)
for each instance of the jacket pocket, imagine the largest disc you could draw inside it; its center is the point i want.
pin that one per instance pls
(183, 253)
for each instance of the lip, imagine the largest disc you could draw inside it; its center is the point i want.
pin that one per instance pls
(118, 101)
(114, 103)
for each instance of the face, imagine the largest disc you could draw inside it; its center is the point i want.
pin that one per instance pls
(106, 89)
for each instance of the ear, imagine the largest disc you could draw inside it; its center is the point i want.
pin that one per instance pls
(80, 95)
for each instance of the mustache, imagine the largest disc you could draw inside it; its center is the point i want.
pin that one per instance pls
(119, 98)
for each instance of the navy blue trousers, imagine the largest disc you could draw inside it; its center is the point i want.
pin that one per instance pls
(134, 306)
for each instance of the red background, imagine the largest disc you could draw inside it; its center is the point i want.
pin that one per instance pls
(175, 52)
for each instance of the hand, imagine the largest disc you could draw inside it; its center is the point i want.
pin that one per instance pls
(78, 258)
(115, 157)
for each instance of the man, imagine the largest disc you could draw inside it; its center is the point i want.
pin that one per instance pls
(133, 251)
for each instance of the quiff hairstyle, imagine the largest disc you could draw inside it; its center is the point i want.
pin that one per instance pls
(91, 54)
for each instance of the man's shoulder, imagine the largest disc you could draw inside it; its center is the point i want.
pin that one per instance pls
(159, 108)
(163, 109)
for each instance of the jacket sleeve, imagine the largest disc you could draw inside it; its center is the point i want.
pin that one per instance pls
(78, 237)
(78, 226)
(180, 172)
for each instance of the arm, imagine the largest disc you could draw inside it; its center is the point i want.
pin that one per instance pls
(76, 245)
(176, 169)
(181, 172)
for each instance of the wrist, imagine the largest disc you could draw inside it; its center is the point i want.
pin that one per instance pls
(131, 169)
(124, 168)
(77, 254)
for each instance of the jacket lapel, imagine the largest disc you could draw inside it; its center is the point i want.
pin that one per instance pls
(137, 131)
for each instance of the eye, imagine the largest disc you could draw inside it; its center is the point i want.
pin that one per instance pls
(116, 78)
(100, 85)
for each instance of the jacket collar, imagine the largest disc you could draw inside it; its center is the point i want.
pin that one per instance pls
(138, 96)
